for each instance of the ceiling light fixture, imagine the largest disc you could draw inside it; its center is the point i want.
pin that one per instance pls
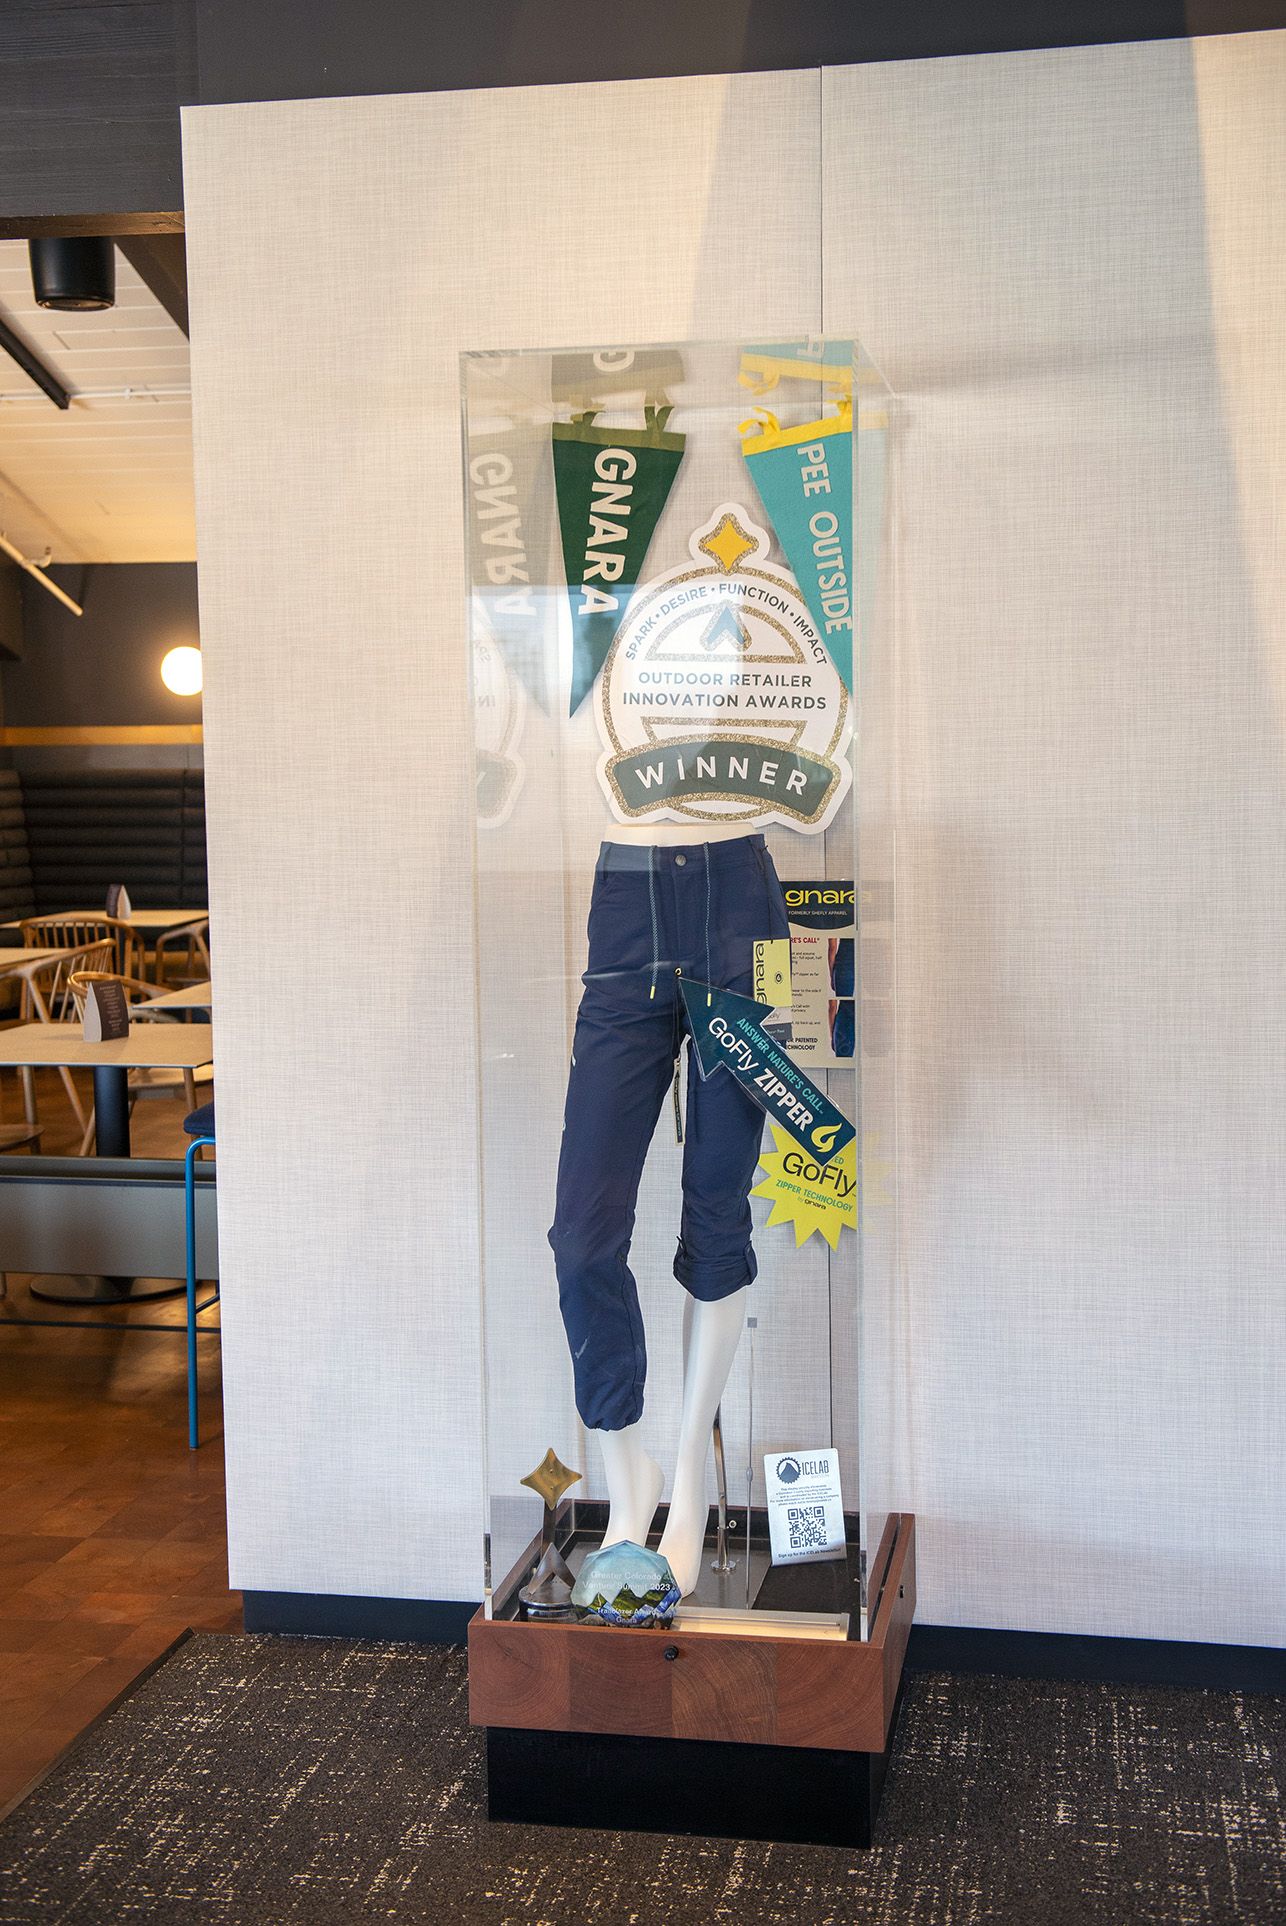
(181, 671)
(73, 273)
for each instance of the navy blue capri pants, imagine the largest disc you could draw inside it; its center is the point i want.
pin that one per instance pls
(656, 916)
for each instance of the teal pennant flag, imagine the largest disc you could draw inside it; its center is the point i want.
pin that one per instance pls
(728, 1034)
(805, 481)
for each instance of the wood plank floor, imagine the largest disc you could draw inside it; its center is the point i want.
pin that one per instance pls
(112, 1533)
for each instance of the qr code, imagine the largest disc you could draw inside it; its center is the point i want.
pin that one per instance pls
(807, 1526)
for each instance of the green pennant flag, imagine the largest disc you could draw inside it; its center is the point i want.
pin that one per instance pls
(611, 484)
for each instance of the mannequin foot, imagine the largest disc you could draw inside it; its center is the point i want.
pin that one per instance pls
(634, 1500)
(683, 1540)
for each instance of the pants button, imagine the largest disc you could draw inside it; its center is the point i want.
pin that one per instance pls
(679, 861)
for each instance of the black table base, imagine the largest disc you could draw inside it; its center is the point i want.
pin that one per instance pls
(111, 1110)
(88, 1289)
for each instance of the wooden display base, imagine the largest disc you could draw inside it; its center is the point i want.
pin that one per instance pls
(767, 1727)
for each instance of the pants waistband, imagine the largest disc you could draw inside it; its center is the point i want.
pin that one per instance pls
(727, 854)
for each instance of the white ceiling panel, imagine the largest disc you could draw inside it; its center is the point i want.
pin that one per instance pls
(110, 478)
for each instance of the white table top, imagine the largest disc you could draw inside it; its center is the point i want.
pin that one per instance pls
(149, 1046)
(14, 959)
(193, 996)
(148, 919)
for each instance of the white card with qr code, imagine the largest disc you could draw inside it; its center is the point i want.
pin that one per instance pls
(805, 1508)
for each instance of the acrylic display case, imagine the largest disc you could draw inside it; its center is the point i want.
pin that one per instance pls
(679, 563)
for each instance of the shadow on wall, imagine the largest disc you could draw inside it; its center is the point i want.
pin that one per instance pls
(1063, 263)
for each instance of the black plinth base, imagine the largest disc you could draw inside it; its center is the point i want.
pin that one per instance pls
(790, 1795)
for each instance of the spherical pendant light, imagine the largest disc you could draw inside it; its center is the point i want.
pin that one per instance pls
(181, 671)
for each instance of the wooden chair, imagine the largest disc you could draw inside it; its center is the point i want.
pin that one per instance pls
(182, 955)
(80, 932)
(142, 1083)
(46, 997)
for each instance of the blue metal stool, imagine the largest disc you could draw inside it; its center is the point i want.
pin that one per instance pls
(199, 1125)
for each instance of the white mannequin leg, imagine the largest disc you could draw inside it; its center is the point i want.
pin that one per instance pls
(711, 1344)
(634, 1484)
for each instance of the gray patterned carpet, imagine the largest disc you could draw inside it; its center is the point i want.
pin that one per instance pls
(258, 1780)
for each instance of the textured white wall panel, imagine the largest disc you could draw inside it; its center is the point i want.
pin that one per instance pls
(1071, 265)
(337, 729)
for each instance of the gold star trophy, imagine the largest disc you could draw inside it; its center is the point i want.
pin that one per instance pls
(548, 1592)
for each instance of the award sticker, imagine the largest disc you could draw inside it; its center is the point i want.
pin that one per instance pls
(805, 1508)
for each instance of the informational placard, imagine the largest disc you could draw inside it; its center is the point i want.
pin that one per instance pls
(823, 974)
(805, 1506)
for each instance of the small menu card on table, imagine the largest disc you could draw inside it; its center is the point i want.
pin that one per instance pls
(106, 1013)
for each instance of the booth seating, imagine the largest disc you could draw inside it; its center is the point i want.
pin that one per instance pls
(66, 835)
(17, 881)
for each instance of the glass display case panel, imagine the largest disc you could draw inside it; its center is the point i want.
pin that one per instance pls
(678, 567)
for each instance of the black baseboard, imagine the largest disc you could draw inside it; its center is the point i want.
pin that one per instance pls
(413, 1621)
(1106, 1661)
(933, 1648)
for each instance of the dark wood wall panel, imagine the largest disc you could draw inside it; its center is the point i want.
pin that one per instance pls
(90, 90)
(251, 51)
(89, 113)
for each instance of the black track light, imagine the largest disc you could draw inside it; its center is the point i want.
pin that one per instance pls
(73, 273)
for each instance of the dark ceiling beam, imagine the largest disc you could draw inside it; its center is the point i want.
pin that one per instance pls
(28, 227)
(246, 50)
(90, 92)
(16, 348)
(160, 261)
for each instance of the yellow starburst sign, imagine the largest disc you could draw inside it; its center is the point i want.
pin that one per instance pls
(818, 1197)
(812, 1196)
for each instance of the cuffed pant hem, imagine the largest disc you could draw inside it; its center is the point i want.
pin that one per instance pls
(617, 1419)
(709, 1282)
